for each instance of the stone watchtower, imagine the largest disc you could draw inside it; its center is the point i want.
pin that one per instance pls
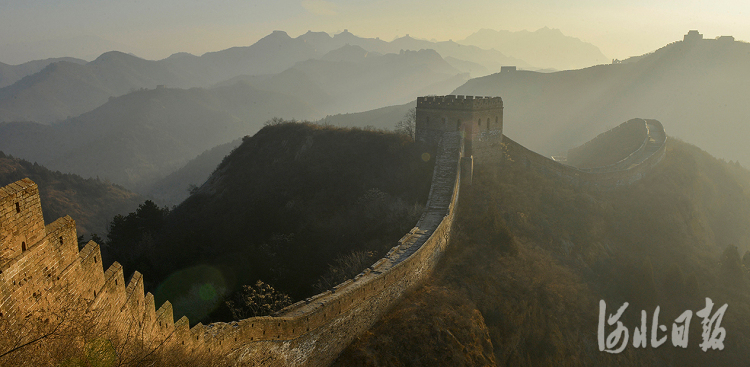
(478, 119)
(21, 222)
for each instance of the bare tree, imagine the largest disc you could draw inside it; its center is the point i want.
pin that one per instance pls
(408, 124)
(345, 267)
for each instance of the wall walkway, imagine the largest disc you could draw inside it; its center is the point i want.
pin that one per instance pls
(45, 264)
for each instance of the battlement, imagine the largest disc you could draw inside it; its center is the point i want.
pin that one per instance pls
(453, 102)
(21, 222)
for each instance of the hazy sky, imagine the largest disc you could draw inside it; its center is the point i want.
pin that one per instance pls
(155, 29)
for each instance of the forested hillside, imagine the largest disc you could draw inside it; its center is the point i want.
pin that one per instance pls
(90, 202)
(532, 256)
(297, 206)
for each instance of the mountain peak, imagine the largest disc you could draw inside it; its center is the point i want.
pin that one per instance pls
(311, 36)
(114, 55)
(276, 35)
(348, 53)
(345, 33)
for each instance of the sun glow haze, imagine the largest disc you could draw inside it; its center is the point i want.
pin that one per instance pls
(156, 29)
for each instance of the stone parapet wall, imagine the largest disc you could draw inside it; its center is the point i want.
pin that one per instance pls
(311, 332)
(52, 275)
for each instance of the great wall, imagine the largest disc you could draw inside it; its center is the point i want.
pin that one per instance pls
(41, 264)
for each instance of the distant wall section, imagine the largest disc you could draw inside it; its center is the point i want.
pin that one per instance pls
(608, 177)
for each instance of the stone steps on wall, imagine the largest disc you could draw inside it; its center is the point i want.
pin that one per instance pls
(441, 192)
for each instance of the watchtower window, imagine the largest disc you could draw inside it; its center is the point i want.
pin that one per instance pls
(479, 122)
(18, 208)
(23, 246)
(458, 125)
(61, 240)
(496, 120)
(488, 123)
(94, 259)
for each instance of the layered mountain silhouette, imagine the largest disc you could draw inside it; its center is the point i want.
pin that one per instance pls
(143, 136)
(64, 89)
(543, 48)
(308, 66)
(383, 118)
(278, 51)
(53, 90)
(696, 89)
(350, 79)
(10, 74)
(176, 187)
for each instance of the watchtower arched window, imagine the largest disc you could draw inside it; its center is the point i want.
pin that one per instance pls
(479, 122)
(488, 123)
(61, 240)
(496, 120)
(18, 208)
(23, 246)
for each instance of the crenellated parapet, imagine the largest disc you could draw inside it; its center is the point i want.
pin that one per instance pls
(452, 102)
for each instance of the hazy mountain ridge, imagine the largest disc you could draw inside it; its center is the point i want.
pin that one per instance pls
(10, 74)
(175, 188)
(695, 89)
(270, 55)
(278, 51)
(376, 81)
(351, 79)
(543, 48)
(64, 89)
(384, 118)
(143, 136)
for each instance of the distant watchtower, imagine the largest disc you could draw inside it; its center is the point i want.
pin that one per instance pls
(692, 36)
(472, 115)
